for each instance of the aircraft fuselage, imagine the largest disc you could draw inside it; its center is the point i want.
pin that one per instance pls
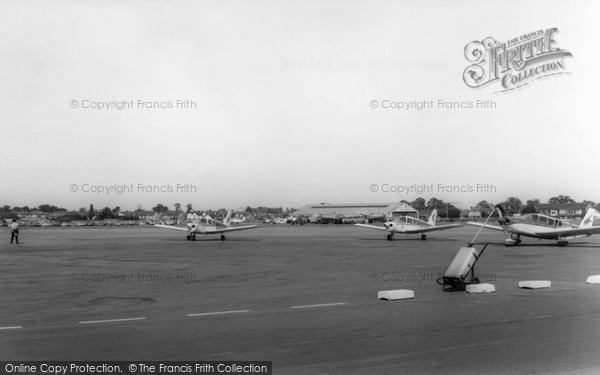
(550, 231)
(403, 228)
(203, 229)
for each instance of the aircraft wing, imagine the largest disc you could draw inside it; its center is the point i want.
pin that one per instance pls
(489, 226)
(565, 233)
(371, 226)
(183, 229)
(231, 229)
(432, 229)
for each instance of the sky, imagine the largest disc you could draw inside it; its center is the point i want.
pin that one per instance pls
(285, 104)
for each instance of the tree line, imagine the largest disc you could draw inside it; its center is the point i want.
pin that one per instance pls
(91, 213)
(512, 205)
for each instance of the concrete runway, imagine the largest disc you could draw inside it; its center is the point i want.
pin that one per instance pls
(304, 297)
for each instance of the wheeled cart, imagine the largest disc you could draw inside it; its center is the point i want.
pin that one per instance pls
(459, 270)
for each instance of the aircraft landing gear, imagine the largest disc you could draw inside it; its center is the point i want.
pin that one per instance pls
(512, 241)
(222, 237)
(390, 237)
(193, 237)
(189, 238)
(455, 280)
(423, 237)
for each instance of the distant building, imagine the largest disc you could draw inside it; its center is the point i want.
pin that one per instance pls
(34, 221)
(352, 209)
(32, 214)
(564, 210)
(475, 214)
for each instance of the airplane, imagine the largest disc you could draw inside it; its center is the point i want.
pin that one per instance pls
(207, 226)
(410, 225)
(237, 221)
(542, 227)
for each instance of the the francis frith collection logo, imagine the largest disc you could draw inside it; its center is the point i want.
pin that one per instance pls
(515, 63)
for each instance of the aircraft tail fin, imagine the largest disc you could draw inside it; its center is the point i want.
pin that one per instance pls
(501, 211)
(433, 217)
(227, 218)
(588, 219)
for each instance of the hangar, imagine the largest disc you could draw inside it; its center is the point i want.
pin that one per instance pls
(372, 210)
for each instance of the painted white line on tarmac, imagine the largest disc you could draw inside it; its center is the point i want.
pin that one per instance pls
(110, 320)
(12, 327)
(526, 318)
(320, 305)
(220, 313)
(538, 317)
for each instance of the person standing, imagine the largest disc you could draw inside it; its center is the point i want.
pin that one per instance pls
(14, 231)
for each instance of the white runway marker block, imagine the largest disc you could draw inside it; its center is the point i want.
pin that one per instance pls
(392, 295)
(481, 288)
(534, 284)
(595, 279)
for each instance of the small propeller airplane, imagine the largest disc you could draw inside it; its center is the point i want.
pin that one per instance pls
(206, 226)
(410, 225)
(237, 221)
(542, 227)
